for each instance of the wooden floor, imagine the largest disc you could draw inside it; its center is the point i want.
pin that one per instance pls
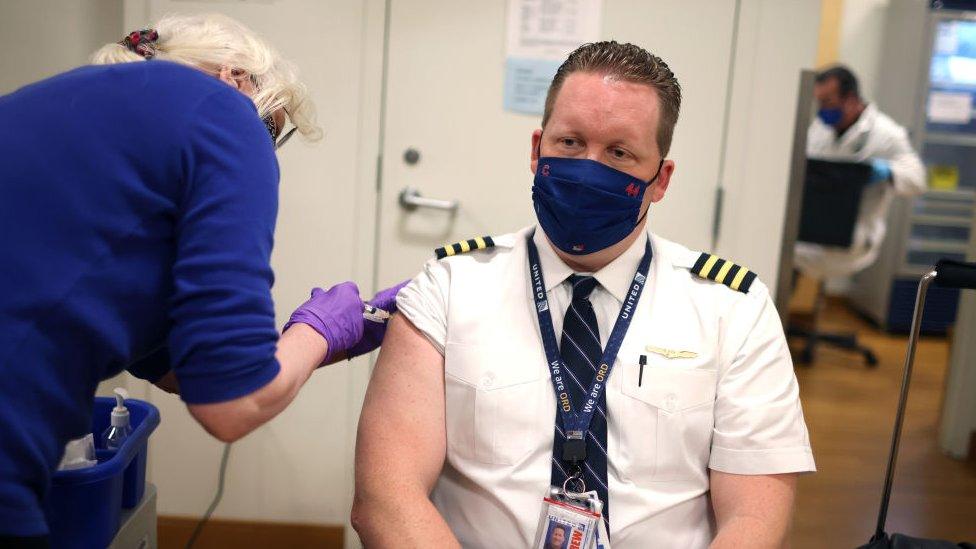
(849, 410)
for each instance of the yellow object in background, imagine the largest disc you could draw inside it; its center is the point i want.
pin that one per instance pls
(943, 178)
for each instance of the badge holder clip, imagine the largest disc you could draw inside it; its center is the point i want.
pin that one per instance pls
(572, 517)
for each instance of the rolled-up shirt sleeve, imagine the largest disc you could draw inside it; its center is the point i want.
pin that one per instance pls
(223, 337)
(424, 302)
(759, 426)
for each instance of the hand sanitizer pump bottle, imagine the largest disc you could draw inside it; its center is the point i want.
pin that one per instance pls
(115, 435)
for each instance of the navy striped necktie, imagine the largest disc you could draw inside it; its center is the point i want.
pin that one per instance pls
(581, 351)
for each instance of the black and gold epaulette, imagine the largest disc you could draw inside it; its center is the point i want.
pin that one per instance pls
(716, 269)
(480, 243)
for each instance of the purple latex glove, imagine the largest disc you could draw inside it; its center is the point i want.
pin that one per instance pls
(373, 331)
(336, 314)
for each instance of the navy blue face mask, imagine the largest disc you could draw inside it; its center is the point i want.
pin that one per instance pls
(585, 206)
(830, 117)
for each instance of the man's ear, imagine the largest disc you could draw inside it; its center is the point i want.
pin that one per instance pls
(660, 185)
(534, 155)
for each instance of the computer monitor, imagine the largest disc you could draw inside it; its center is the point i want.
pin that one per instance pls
(831, 201)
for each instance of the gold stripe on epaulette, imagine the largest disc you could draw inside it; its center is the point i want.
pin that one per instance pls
(709, 263)
(723, 272)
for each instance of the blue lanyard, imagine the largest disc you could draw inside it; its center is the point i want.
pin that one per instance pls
(577, 422)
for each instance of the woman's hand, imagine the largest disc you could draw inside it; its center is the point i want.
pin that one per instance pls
(326, 328)
(337, 315)
(373, 331)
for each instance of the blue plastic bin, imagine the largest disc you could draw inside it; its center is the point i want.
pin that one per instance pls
(84, 506)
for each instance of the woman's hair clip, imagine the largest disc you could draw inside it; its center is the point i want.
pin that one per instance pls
(142, 42)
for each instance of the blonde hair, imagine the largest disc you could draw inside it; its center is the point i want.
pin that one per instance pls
(213, 41)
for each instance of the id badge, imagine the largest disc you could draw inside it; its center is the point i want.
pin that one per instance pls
(570, 521)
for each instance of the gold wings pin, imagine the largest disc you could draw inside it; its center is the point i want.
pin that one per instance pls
(670, 353)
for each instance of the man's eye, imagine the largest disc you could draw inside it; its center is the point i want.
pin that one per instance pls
(569, 142)
(619, 153)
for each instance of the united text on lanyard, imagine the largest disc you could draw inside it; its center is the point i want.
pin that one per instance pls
(577, 422)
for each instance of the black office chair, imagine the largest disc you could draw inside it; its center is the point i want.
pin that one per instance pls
(814, 336)
(831, 203)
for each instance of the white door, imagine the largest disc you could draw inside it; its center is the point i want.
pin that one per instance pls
(444, 100)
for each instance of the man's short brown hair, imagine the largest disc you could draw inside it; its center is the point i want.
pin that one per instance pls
(632, 64)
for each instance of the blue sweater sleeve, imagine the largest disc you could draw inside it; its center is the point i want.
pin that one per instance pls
(223, 337)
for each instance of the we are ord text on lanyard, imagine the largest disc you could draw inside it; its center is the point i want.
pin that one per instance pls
(577, 422)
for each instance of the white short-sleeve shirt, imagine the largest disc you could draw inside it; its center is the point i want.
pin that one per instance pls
(730, 402)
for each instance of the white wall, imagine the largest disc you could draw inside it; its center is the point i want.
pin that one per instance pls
(775, 41)
(40, 38)
(861, 38)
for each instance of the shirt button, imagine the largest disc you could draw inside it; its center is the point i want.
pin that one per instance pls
(671, 402)
(488, 381)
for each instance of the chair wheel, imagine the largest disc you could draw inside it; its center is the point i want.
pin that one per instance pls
(871, 359)
(806, 356)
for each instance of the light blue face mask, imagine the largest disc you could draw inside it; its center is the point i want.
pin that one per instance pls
(585, 206)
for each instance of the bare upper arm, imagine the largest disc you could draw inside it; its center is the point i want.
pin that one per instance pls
(764, 497)
(402, 439)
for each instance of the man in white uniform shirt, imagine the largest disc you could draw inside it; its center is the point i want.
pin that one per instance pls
(698, 435)
(849, 129)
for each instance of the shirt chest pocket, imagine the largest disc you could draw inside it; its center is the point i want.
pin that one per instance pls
(496, 403)
(680, 404)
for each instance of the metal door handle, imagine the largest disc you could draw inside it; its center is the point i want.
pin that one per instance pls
(410, 200)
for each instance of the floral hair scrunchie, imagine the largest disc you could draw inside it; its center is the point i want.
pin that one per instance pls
(142, 42)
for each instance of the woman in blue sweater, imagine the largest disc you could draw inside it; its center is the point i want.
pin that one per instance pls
(137, 210)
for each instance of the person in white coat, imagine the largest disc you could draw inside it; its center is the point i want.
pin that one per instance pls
(850, 129)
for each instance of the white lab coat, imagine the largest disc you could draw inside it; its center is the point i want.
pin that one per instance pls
(874, 135)
(729, 403)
